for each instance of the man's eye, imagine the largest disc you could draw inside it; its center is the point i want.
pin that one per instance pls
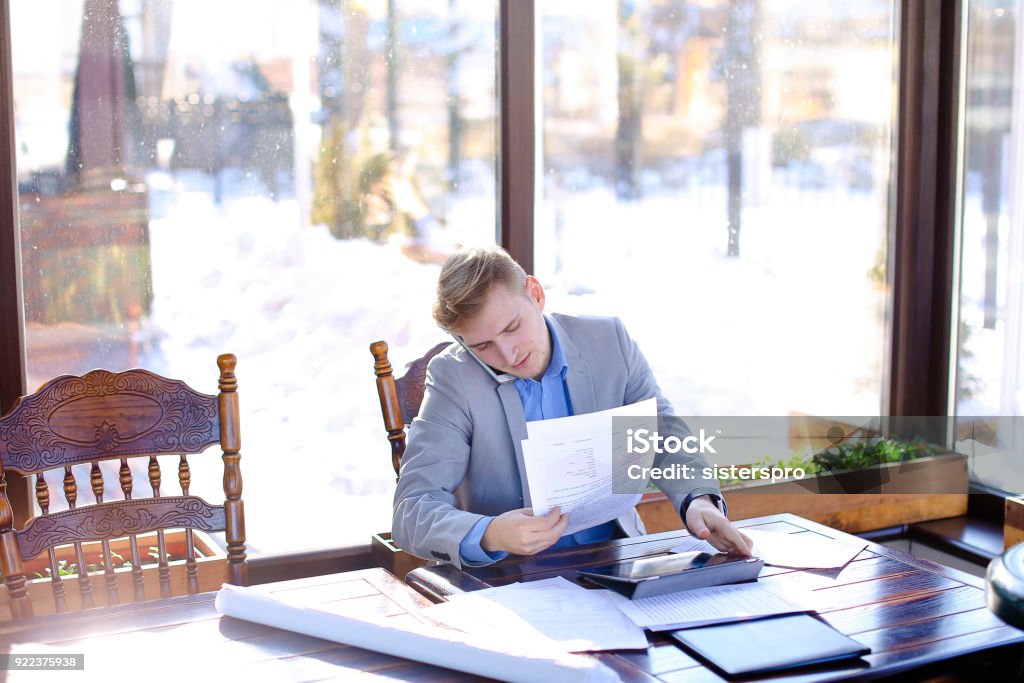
(482, 347)
(513, 329)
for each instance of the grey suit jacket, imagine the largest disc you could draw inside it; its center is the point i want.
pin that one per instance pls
(464, 457)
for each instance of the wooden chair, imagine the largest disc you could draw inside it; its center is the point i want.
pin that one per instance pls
(104, 416)
(400, 398)
(400, 401)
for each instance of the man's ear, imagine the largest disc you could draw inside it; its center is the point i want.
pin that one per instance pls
(535, 292)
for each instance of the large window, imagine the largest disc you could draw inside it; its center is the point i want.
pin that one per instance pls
(278, 179)
(989, 351)
(718, 174)
(281, 179)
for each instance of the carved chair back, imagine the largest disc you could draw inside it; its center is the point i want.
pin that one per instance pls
(400, 398)
(128, 416)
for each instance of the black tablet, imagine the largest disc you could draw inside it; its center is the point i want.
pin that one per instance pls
(762, 646)
(674, 572)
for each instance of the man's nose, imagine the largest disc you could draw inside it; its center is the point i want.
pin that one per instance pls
(509, 352)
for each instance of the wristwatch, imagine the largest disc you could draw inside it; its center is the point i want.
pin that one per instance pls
(693, 495)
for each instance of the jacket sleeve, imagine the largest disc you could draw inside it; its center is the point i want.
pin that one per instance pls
(642, 385)
(425, 521)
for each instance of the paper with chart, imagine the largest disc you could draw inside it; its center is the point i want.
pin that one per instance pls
(569, 463)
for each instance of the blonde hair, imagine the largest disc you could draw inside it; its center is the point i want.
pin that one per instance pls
(467, 278)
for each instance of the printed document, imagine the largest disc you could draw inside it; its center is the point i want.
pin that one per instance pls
(569, 463)
(703, 606)
(579, 620)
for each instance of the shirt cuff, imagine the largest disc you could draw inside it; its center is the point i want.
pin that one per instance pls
(470, 550)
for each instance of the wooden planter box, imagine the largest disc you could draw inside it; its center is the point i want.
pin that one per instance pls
(389, 556)
(856, 501)
(211, 561)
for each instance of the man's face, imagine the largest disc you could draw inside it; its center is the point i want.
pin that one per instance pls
(509, 332)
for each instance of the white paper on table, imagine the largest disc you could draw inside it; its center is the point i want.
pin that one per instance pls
(693, 544)
(802, 550)
(490, 656)
(569, 464)
(579, 620)
(704, 606)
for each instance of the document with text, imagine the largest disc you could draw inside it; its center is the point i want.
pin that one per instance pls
(580, 464)
(704, 606)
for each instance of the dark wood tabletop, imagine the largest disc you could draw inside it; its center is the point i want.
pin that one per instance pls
(185, 639)
(920, 619)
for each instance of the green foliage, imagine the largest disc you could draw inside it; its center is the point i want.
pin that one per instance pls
(861, 454)
(848, 456)
(351, 192)
(789, 144)
(117, 561)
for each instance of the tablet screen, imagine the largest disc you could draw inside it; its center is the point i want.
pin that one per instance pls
(663, 565)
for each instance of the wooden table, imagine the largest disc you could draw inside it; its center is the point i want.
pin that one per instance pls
(185, 639)
(919, 618)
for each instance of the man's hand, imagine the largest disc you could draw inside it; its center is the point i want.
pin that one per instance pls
(519, 532)
(707, 522)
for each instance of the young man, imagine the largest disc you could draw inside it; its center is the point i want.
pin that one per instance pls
(460, 492)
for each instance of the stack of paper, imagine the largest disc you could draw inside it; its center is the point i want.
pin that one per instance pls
(715, 605)
(572, 463)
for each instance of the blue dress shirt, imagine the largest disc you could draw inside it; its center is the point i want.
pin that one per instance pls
(542, 400)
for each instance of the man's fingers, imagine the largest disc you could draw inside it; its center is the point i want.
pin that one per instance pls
(729, 539)
(748, 545)
(699, 528)
(550, 520)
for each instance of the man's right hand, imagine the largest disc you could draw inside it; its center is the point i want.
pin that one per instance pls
(519, 532)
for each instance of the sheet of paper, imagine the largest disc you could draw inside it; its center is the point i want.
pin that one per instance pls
(579, 620)
(691, 544)
(715, 605)
(802, 551)
(569, 464)
(488, 655)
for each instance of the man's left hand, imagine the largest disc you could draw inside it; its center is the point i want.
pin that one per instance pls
(707, 522)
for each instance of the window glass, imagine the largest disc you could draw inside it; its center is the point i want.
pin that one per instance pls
(989, 350)
(718, 174)
(278, 179)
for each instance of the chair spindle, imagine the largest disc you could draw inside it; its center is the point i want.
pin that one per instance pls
(138, 582)
(71, 496)
(163, 569)
(56, 583)
(96, 480)
(191, 568)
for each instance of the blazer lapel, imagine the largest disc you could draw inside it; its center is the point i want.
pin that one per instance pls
(516, 419)
(578, 377)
